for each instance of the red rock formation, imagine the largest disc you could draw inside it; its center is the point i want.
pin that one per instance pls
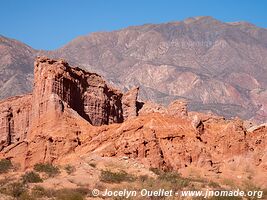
(151, 107)
(58, 90)
(87, 93)
(178, 107)
(257, 146)
(56, 122)
(129, 102)
(167, 142)
(15, 114)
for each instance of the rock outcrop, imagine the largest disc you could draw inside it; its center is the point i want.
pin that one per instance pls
(87, 93)
(73, 113)
(129, 103)
(178, 107)
(161, 141)
(15, 115)
(59, 88)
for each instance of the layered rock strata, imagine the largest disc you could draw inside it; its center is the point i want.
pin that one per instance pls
(86, 93)
(15, 114)
(58, 88)
(73, 113)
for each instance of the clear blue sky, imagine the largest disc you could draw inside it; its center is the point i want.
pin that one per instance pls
(49, 24)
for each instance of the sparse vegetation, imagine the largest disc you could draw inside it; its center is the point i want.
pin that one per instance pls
(47, 168)
(229, 182)
(62, 194)
(19, 191)
(116, 177)
(70, 169)
(5, 165)
(143, 178)
(214, 184)
(264, 192)
(31, 177)
(169, 176)
(83, 191)
(155, 170)
(16, 190)
(174, 178)
(166, 180)
(92, 165)
(4, 181)
(39, 191)
(69, 194)
(249, 186)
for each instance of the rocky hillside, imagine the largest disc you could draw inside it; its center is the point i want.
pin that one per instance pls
(73, 114)
(218, 67)
(16, 66)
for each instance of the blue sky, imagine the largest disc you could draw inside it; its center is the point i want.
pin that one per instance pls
(49, 24)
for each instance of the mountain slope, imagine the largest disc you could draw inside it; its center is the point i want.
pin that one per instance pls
(16, 63)
(218, 67)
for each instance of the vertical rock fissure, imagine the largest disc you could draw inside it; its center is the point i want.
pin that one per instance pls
(10, 128)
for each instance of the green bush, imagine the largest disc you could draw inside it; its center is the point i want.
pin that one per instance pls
(155, 170)
(25, 196)
(92, 165)
(38, 191)
(16, 189)
(143, 178)
(115, 177)
(70, 169)
(31, 177)
(47, 168)
(174, 178)
(5, 165)
(214, 184)
(83, 191)
(169, 176)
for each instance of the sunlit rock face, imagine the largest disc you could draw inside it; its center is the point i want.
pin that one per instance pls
(58, 90)
(87, 93)
(73, 113)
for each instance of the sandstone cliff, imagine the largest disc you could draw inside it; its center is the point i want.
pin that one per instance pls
(87, 93)
(15, 114)
(74, 113)
(59, 88)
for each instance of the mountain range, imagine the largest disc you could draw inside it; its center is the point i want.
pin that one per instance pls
(217, 67)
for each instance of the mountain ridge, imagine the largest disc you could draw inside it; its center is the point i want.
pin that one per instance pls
(216, 66)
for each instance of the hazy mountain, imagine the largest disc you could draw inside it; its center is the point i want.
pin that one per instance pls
(16, 66)
(218, 67)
